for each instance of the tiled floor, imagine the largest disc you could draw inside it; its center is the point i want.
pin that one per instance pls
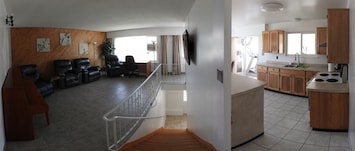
(286, 122)
(176, 122)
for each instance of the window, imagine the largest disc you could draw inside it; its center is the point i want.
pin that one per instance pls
(136, 46)
(185, 96)
(301, 43)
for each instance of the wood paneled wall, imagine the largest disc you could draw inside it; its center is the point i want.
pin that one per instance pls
(24, 47)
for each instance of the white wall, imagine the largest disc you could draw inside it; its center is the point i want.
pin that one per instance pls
(5, 62)
(209, 25)
(301, 26)
(352, 75)
(174, 102)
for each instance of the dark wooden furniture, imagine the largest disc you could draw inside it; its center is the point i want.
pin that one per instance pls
(20, 101)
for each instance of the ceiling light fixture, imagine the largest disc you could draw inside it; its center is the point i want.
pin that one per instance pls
(271, 7)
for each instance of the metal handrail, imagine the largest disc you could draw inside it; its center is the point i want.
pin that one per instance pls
(129, 114)
(105, 117)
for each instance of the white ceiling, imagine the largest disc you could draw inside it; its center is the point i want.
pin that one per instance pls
(113, 15)
(99, 15)
(247, 12)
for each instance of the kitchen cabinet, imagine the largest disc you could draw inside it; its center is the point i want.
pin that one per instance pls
(266, 41)
(321, 41)
(329, 111)
(292, 81)
(273, 78)
(273, 41)
(262, 74)
(338, 36)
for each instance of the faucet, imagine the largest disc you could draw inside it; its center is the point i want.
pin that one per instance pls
(297, 56)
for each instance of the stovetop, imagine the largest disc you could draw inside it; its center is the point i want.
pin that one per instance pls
(327, 77)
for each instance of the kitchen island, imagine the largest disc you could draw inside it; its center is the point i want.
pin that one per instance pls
(247, 109)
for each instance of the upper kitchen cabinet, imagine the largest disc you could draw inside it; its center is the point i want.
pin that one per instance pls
(321, 42)
(266, 41)
(273, 41)
(338, 36)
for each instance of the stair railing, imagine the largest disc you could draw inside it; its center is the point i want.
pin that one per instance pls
(123, 120)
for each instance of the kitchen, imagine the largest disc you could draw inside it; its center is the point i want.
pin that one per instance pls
(300, 74)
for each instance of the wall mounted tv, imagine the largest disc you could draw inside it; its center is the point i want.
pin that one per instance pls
(187, 50)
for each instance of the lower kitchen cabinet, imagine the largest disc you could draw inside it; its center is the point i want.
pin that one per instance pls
(292, 81)
(329, 111)
(273, 78)
(262, 74)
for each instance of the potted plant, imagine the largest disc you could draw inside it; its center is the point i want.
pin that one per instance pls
(107, 48)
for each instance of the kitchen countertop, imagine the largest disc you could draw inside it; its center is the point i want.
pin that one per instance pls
(312, 67)
(328, 87)
(243, 84)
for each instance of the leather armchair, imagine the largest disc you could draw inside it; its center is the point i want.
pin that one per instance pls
(89, 73)
(43, 84)
(113, 66)
(69, 77)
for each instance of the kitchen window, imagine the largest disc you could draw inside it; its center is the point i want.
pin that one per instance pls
(301, 43)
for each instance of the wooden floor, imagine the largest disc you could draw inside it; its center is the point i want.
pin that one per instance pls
(169, 140)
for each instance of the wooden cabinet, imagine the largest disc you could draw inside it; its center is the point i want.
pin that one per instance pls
(329, 111)
(273, 41)
(321, 41)
(292, 81)
(338, 36)
(273, 78)
(266, 41)
(262, 74)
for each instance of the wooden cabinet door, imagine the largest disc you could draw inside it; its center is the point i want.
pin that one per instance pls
(285, 82)
(329, 110)
(262, 74)
(274, 41)
(266, 41)
(273, 78)
(321, 39)
(338, 36)
(298, 83)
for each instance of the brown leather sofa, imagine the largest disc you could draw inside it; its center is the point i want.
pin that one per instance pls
(89, 73)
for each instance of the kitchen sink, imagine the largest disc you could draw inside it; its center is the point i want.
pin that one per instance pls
(301, 66)
(291, 65)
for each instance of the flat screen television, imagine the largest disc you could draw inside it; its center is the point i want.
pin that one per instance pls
(185, 40)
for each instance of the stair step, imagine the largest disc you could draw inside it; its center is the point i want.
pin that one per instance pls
(169, 139)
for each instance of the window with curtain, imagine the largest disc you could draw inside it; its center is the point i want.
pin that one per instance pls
(142, 48)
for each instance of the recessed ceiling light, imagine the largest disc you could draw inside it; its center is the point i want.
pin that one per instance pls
(272, 7)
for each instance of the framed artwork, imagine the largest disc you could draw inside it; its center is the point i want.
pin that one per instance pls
(65, 39)
(43, 45)
(83, 48)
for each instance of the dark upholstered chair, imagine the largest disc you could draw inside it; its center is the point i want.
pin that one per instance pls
(113, 66)
(43, 84)
(68, 76)
(88, 72)
(131, 66)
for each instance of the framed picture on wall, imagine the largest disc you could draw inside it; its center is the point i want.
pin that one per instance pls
(83, 48)
(43, 45)
(65, 39)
